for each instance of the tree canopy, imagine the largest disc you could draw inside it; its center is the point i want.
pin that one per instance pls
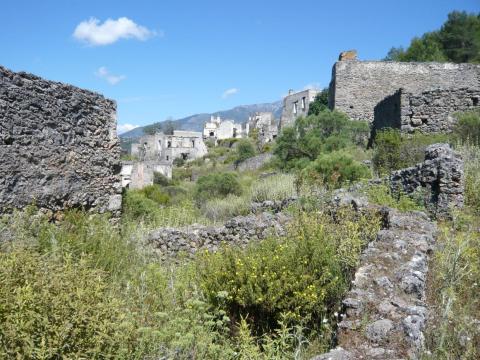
(458, 41)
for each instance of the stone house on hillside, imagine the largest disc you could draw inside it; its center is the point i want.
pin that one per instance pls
(296, 105)
(156, 153)
(265, 124)
(218, 129)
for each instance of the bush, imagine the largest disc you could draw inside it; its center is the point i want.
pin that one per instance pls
(53, 309)
(136, 206)
(244, 151)
(471, 158)
(394, 150)
(316, 134)
(334, 170)
(302, 276)
(217, 185)
(178, 161)
(381, 195)
(320, 103)
(155, 193)
(160, 179)
(467, 129)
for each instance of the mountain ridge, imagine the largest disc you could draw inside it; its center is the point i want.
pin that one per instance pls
(195, 122)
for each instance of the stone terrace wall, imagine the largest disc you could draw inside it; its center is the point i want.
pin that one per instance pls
(358, 86)
(385, 311)
(440, 176)
(238, 231)
(58, 146)
(429, 111)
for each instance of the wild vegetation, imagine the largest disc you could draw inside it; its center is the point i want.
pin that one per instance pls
(458, 40)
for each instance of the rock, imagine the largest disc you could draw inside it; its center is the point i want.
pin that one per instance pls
(348, 55)
(336, 354)
(379, 330)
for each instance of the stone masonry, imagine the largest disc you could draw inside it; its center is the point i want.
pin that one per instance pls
(430, 111)
(58, 146)
(239, 231)
(440, 177)
(385, 312)
(358, 86)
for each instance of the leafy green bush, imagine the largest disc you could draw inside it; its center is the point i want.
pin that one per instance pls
(160, 179)
(54, 309)
(382, 195)
(244, 151)
(155, 193)
(217, 185)
(467, 128)
(309, 137)
(334, 170)
(394, 150)
(136, 206)
(300, 279)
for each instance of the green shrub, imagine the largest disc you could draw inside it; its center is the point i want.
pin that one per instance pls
(316, 134)
(467, 128)
(382, 195)
(155, 193)
(394, 150)
(334, 170)
(136, 206)
(182, 173)
(160, 179)
(217, 185)
(178, 161)
(244, 151)
(54, 309)
(302, 276)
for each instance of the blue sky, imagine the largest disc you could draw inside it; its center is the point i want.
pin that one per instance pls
(175, 58)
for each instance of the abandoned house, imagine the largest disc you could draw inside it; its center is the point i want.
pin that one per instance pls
(264, 123)
(218, 129)
(296, 105)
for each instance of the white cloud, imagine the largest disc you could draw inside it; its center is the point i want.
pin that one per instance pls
(94, 33)
(229, 92)
(121, 128)
(103, 73)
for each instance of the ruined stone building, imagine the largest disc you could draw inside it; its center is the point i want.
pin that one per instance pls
(296, 105)
(409, 95)
(155, 153)
(58, 146)
(264, 123)
(181, 144)
(218, 129)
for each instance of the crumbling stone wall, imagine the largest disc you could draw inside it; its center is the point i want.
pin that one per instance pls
(358, 86)
(430, 111)
(58, 146)
(385, 312)
(238, 231)
(440, 177)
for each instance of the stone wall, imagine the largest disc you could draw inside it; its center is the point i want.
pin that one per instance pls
(429, 111)
(239, 231)
(296, 105)
(358, 86)
(385, 312)
(440, 179)
(58, 146)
